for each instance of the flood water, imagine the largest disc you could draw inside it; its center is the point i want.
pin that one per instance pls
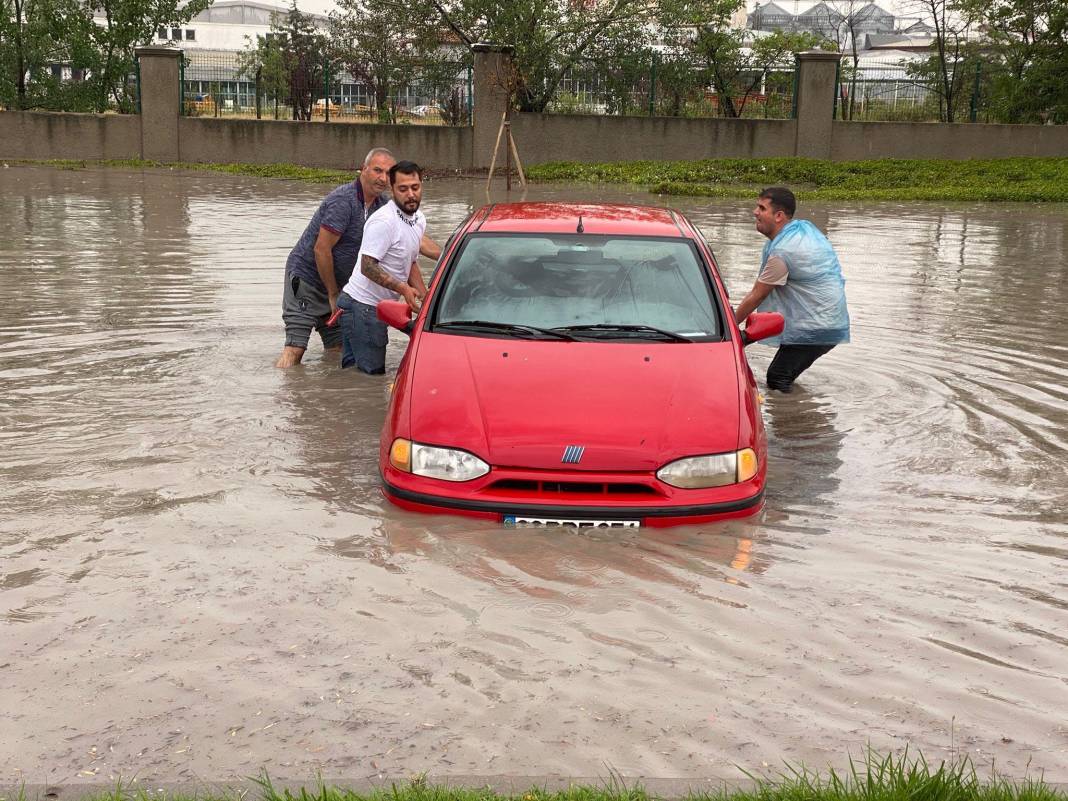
(199, 577)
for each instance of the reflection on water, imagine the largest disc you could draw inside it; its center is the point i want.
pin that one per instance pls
(199, 577)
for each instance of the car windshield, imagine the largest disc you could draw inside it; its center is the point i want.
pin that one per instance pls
(546, 286)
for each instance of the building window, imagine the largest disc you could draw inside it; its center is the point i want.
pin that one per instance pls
(176, 34)
(190, 36)
(162, 32)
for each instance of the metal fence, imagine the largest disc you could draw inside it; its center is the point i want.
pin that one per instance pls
(674, 88)
(904, 90)
(883, 91)
(224, 84)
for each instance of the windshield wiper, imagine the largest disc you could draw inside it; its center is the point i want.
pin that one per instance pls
(531, 331)
(627, 329)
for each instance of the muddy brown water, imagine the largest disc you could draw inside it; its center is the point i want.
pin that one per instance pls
(199, 577)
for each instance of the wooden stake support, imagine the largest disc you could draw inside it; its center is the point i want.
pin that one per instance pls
(510, 152)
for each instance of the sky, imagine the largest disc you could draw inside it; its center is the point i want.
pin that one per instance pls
(314, 6)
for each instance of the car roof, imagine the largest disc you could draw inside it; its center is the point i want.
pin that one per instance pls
(597, 218)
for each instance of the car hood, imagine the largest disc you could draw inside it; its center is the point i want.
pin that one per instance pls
(521, 403)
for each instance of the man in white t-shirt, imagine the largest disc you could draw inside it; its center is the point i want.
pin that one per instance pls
(388, 271)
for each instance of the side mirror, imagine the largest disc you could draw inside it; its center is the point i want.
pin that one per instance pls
(761, 325)
(395, 313)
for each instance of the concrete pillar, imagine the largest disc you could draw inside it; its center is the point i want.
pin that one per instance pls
(161, 99)
(493, 76)
(815, 103)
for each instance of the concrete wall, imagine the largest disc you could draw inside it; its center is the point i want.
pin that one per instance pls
(559, 137)
(852, 141)
(539, 137)
(49, 135)
(160, 133)
(317, 144)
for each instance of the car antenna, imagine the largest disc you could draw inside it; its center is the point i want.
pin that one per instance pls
(580, 229)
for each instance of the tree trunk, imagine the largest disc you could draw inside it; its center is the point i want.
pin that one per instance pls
(853, 80)
(20, 59)
(947, 83)
(723, 96)
(385, 112)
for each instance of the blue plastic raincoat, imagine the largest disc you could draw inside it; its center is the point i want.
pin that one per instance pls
(813, 299)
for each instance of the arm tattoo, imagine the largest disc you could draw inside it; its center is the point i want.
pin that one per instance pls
(370, 267)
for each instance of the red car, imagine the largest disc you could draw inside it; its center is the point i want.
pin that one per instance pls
(576, 365)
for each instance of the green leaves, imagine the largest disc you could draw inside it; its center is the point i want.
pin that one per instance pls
(1027, 57)
(98, 52)
(378, 45)
(34, 34)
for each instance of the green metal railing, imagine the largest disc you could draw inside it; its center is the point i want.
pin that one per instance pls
(913, 91)
(228, 84)
(672, 87)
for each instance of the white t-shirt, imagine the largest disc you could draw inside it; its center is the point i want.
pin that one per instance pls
(392, 237)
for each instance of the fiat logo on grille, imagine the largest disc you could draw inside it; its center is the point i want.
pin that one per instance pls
(573, 454)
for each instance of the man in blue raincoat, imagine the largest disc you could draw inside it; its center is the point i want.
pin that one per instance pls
(800, 277)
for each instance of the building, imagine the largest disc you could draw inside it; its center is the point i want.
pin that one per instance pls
(899, 42)
(835, 20)
(228, 25)
(215, 82)
(771, 17)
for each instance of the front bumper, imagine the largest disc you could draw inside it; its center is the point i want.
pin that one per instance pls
(682, 507)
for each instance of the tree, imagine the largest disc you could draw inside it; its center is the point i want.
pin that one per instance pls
(948, 67)
(440, 76)
(738, 64)
(94, 38)
(289, 63)
(840, 23)
(551, 37)
(304, 51)
(34, 35)
(107, 52)
(264, 63)
(1026, 52)
(384, 50)
(623, 72)
(679, 80)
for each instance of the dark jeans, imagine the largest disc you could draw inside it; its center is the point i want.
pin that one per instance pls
(363, 337)
(790, 361)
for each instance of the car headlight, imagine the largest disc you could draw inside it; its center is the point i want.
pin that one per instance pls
(716, 470)
(448, 464)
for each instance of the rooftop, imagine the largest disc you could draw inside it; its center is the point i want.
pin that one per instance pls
(596, 219)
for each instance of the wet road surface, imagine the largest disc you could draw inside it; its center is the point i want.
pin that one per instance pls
(199, 577)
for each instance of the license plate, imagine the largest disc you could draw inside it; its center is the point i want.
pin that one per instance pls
(515, 520)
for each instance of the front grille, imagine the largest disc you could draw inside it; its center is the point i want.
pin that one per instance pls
(565, 488)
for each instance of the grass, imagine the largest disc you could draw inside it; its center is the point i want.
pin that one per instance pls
(1015, 179)
(874, 778)
(290, 172)
(1038, 180)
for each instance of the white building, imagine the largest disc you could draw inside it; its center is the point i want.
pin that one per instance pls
(227, 25)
